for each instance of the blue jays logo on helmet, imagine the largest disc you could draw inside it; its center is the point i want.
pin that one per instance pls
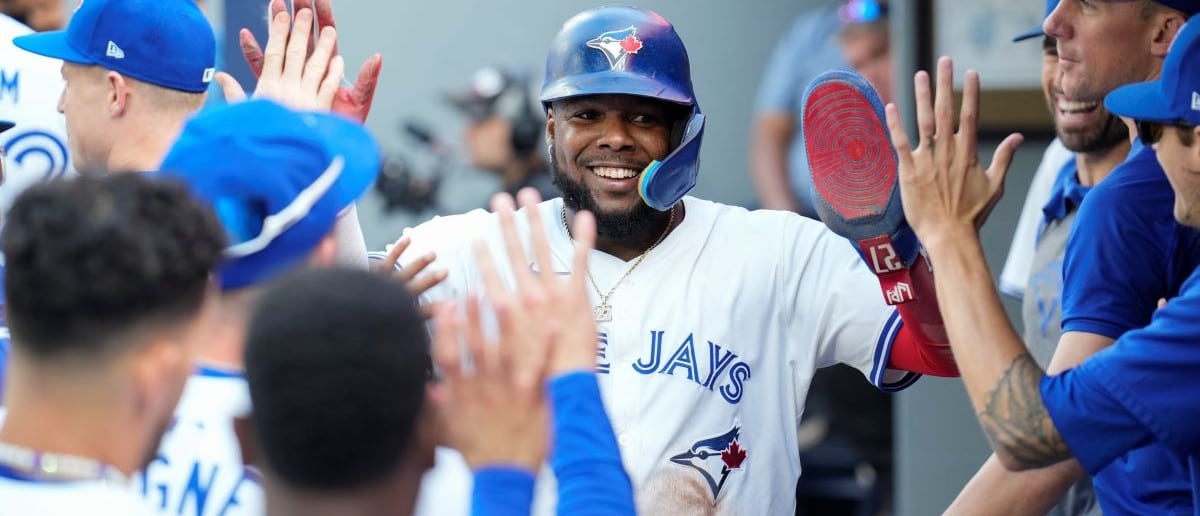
(715, 458)
(617, 45)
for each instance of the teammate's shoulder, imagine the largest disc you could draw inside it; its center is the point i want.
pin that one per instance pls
(759, 228)
(1131, 186)
(11, 28)
(212, 391)
(760, 219)
(22, 496)
(456, 226)
(1140, 169)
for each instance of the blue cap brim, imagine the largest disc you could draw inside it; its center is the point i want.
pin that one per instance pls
(362, 164)
(1140, 101)
(51, 44)
(6, 125)
(1030, 34)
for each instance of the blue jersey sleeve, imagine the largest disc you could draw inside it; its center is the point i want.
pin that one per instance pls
(1116, 265)
(585, 458)
(1141, 389)
(502, 491)
(1093, 423)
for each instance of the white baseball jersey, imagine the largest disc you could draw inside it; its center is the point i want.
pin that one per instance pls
(24, 497)
(198, 469)
(30, 86)
(712, 345)
(1019, 263)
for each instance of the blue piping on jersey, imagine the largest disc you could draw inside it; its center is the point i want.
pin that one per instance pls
(12, 474)
(883, 352)
(208, 371)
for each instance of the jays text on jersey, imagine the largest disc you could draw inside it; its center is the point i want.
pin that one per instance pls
(712, 344)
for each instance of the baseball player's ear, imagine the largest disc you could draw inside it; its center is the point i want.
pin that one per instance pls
(158, 368)
(118, 93)
(1167, 23)
(243, 428)
(550, 125)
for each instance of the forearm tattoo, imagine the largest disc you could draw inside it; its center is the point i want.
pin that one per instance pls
(1015, 418)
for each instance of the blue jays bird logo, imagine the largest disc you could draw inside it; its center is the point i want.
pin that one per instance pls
(617, 45)
(727, 454)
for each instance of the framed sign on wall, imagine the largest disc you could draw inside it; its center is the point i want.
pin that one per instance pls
(978, 35)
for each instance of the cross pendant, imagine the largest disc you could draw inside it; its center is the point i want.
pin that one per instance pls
(603, 312)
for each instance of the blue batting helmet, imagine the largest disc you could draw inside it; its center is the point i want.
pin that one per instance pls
(629, 51)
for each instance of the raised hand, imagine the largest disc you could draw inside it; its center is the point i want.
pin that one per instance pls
(944, 188)
(495, 409)
(411, 274)
(352, 101)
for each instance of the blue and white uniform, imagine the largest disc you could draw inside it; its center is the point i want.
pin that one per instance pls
(714, 339)
(1139, 393)
(1018, 265)
(1126, 252)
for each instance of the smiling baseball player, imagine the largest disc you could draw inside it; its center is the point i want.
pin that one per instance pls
(712, 319)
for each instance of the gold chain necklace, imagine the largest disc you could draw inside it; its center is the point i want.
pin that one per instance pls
(603, 311)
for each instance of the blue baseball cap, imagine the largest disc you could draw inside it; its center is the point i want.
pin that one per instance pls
(1175, 96)
(277, 180)
(167, 43)
(1037, 31)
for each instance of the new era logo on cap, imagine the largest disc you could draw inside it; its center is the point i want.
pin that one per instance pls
(208, 74)
(114, 51)
(1195, 101)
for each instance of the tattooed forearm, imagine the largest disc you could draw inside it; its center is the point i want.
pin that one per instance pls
(1016, 422)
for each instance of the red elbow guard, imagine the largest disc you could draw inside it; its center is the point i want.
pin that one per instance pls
(911, 353)
(921, 346)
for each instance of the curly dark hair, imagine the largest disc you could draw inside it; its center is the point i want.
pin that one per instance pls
(337, 361)
(93, 259)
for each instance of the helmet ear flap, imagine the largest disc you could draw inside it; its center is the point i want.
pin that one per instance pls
(665, 182)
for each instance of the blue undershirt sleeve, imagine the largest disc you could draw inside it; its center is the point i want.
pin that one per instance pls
(585, 457)
(502, 491)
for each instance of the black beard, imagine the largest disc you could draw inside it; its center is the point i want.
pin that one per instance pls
(1109, 134)
(637, 226)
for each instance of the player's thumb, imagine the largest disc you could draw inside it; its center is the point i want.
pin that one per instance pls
(230, 88)
(1002, 159)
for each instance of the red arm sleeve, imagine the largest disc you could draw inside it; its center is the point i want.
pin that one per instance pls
(921, 345)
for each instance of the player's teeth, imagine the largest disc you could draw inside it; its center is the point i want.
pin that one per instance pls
(1072, 106)
(615, 173)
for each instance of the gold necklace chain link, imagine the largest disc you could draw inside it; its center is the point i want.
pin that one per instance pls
(604, 297)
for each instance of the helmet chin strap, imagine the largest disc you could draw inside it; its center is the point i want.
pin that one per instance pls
(664, 183)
